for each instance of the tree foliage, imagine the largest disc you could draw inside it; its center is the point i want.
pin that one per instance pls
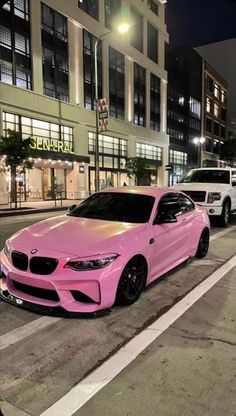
(136, 167)
(16, 151)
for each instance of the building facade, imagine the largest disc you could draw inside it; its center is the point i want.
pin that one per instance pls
(184, 116)
(215, 98)
(47, 91)
(197, 97)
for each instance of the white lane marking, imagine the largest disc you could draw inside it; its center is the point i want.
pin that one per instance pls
(24, 331)
(222, 233)
(99, 378)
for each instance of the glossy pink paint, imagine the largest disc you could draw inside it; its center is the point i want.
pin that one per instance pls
(66, 238)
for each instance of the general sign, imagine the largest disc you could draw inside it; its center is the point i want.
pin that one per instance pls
(52, 145)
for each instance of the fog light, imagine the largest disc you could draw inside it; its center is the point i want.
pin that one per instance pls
(211, 211)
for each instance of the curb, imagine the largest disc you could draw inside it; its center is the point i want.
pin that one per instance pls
(30, 211)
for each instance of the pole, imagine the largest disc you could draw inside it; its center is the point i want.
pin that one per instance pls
(96, 159)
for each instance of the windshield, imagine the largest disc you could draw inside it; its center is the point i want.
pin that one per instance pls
(123, 207)
(206, 176)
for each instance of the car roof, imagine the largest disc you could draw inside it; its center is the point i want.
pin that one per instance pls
(227, 168)
(142, 190)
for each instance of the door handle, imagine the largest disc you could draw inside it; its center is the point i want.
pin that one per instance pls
(152, 241)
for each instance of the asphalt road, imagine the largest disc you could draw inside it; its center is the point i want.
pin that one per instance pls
(43, 358)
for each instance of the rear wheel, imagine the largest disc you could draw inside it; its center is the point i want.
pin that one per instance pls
(203, 244)
(225, 215)
(132, 281)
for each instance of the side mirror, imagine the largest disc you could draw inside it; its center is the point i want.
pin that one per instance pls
(165, 218)
(71, 207)
(234, 182)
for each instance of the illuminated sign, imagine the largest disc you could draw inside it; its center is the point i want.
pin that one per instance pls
(53, 145)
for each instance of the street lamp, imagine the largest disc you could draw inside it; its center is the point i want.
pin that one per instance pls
(122, 28)
(199, 141)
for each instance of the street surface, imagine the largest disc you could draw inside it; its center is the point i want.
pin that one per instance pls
(188, 369)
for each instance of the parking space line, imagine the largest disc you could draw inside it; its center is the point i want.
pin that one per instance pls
(222, 233)
(79, 395)
(26, 330)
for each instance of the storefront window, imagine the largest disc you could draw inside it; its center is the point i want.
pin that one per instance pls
(147, 151)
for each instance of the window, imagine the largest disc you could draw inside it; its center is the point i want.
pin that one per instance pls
(185, 204)
(90, 7)
(217, 91)
(175, 134)
(137, 30)
(208, 145)
(155, 98)
(210, 84)
(139, 95)
(153, 6)
(116, 83)
(15, 54)
(208, 105)
(179, 158)
(89, 71)
(173, 115)
(114, 148)
(222, 132)
(223, 114)
(195, 107)
(208, 125)
(216, 147)
(216, 110)
(169, 204)
(112, 10)
(216, 129)
(206, 176)
(55, 54)
(223, 96)
(42, 130)
(147, 151)
(152, 43)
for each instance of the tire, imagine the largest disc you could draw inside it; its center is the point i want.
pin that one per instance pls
(224, 218)
(203, 244)
(132, 281)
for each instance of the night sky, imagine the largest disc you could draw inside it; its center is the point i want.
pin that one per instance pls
(199, 22)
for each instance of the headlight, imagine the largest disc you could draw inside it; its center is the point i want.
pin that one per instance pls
(213, 196)
(91, 263)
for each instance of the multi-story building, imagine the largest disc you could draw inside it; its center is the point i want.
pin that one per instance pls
(196, 108)
(184, 67)
(47, 90)
(215, 93)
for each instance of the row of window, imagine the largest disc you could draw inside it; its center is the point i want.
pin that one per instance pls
(215, 128)
(175, 134)
(55, 61)
(214, 88)
(215, 108)
(113, 9)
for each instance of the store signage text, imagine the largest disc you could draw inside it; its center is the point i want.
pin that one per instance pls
(52, 145)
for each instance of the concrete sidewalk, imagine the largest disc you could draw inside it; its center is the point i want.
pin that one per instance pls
(37, 207)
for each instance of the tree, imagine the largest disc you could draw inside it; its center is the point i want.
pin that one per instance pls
(16, 151)
(136, 167)
(228, 149)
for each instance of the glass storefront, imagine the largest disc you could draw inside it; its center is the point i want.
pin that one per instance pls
(179, 162)
(113, 153)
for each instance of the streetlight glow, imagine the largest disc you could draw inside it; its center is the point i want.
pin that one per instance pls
(199, 141)
(123, 27)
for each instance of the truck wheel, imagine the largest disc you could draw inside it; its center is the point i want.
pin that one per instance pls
(225, 215)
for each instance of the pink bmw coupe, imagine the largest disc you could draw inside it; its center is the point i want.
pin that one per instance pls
(105, 250)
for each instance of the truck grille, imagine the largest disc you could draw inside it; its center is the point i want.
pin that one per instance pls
(197, 196)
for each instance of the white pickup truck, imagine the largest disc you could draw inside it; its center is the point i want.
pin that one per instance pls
(213, 189)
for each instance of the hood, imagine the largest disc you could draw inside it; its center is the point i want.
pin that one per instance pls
(198, 186)
(77, 236)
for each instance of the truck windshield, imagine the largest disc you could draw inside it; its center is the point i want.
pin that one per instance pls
(206, 176)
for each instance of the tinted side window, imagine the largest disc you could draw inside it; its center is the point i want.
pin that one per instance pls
(185, 203)
(169, 204)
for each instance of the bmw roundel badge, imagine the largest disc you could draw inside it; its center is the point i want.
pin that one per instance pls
(34, 251)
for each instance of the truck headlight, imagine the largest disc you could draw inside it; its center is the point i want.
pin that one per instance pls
(213, 196)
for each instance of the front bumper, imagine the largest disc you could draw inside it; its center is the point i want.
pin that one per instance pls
(212, 210)
(64, 290)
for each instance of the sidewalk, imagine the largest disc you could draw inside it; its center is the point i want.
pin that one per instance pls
(37, 207)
